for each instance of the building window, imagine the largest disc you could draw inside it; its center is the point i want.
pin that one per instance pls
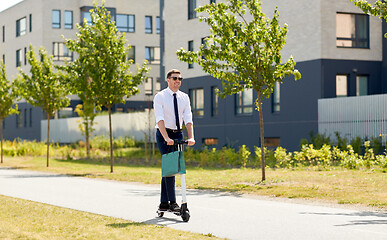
(19, 56)
(55, 18)
(25, 117)
(244, 102)
(197, 101)
(4, 58)
(272, 142)
(158, 25)
(361, 85)
(19, 119)
(21, 27)
(148, 24)
(352, 30)
(190, 48)
(148, 86)
(152, 54)
(276, 98)
(60, 52)
(25, 56)
(66, 112)
(158, 85)
(341, 85)
(191, 9)
(212, 1)
(125, 23)
(30, 117)
(3, 33)
(68, 19)
(132, 54)
(86, 15)
(210, 141)
(30, 22)
(214, 101)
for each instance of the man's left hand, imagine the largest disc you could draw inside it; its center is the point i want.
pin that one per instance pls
(191, 142)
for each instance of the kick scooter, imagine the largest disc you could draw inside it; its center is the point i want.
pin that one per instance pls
(184, 212)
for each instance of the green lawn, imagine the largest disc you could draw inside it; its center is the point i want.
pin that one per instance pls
(22, 219)
(364, 187)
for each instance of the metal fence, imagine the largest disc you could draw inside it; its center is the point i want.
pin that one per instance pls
(363, 116)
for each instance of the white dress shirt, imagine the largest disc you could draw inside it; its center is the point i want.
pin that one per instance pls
(164, 108)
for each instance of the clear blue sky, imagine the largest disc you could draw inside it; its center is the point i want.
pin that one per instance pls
(4, 4)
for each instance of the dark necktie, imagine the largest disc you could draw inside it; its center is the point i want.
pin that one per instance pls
(176, 111)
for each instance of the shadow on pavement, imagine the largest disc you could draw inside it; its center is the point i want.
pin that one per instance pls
(164, 221)
(358, 214)
(354, 214)
(363, 222)
(124, 225)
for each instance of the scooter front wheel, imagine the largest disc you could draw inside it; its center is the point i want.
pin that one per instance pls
(185, 216)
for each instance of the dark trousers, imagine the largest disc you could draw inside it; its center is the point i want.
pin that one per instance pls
(167, 183)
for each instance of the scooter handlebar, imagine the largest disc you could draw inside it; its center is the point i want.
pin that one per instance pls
(178, 142)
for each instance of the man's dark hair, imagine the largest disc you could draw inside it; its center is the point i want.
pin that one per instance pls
(173, 71)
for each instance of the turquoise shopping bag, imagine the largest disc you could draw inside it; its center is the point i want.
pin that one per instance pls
(172, 164)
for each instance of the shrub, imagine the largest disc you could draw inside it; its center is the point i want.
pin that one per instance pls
(356, 144)
(283, 159)
(244, 154)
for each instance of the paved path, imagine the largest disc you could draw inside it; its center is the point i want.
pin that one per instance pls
(222, 214)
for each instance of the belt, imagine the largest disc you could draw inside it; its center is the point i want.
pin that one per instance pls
(173, 131)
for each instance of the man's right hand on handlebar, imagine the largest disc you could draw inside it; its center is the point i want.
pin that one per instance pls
(169, 141)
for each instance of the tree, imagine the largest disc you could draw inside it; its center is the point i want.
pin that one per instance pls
(379, 10)
(103, 58)
(243, 51)
(86, 112)
(79, 83)
(8, 96)
(45, 87)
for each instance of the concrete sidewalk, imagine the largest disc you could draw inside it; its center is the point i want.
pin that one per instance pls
(221, 214)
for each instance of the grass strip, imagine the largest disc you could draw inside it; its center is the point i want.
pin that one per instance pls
(337, 185)
(22, 219)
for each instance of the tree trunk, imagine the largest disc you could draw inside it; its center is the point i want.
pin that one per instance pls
(1, 133)
(87, 135)
(111, 139)
(48, 139)
(262, 137)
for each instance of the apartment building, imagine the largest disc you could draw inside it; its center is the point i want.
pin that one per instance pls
(339, 50)
(47, 22)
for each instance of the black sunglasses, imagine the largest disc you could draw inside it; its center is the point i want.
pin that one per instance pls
(177, 78)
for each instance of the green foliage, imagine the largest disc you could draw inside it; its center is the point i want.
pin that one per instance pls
(356, 144)
(341, 142)
(244, 154)
(86, 112)
(243, 50)
(103, 143)
(243, 53)
(103, 66)
(379, 9)
(45, 87)
(8, 94)
(318, 140)
(284, 159)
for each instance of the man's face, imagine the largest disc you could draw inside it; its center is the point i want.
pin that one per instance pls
(174, 81)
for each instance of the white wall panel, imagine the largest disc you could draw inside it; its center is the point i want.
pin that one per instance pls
(352, 117)
(66, 130)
